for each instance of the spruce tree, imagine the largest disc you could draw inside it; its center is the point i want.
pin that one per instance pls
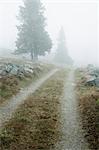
(62, 55)
(32, 36)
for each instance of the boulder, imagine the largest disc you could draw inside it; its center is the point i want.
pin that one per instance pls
(97, 82)
(11, 69)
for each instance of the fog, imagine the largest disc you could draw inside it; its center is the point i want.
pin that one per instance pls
(79, 19)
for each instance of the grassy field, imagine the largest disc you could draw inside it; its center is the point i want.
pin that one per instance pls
(35, 124)
(88, 99)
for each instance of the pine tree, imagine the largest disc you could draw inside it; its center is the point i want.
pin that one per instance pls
(32, 36)
(62, 55)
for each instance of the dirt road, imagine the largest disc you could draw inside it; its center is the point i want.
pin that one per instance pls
(41, 113)
(35, 124)
(8, 108)
(72, 133)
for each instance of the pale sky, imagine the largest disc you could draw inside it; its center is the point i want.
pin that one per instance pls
(78, 17)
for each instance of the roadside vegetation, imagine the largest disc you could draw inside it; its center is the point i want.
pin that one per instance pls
(88, 98)
(35, 124)
(10, 85)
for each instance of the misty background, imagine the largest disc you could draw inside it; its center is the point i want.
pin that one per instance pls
(79, 19)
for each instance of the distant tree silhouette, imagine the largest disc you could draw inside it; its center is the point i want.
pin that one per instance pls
(62, 55)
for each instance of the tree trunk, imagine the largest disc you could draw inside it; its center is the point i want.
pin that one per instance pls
(32, 56)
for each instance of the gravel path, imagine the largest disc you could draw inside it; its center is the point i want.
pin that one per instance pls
(72, 133)
(8, 108)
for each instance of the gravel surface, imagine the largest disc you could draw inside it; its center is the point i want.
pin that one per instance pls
(8, 108)
(72, 137)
